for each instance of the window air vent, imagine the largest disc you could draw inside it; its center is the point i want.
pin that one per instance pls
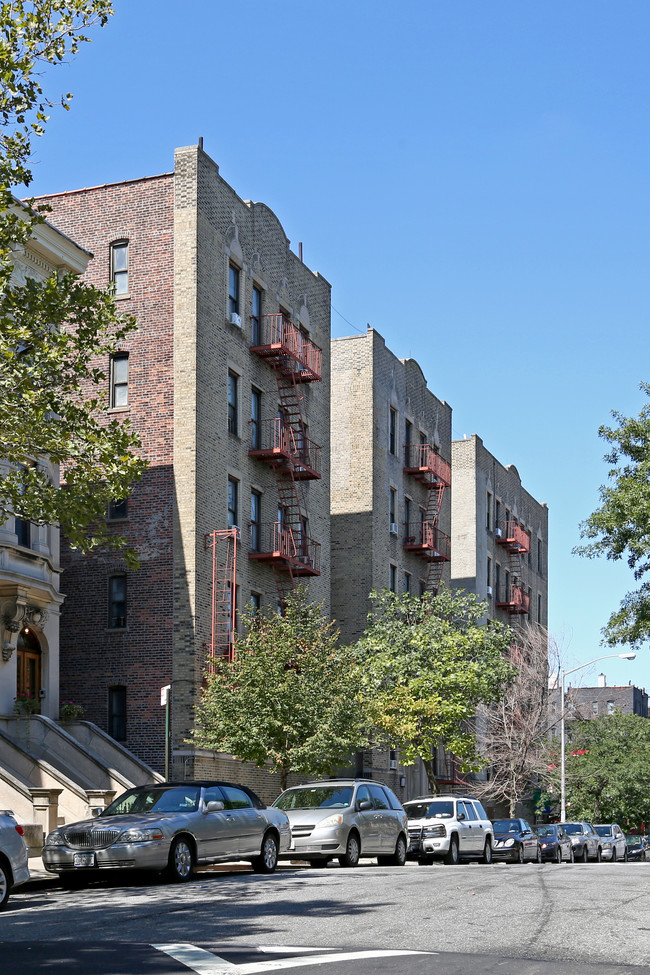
(235, 319)
(393, 528)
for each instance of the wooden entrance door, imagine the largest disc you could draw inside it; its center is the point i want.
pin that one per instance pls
(29, 666)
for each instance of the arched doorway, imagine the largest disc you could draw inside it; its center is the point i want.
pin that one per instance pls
(29, 664)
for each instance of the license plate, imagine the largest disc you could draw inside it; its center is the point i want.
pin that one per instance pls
(84, 860)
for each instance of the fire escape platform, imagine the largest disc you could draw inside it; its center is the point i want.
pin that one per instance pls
(513, 538)
(289, 350)
(516, 601)
(428, 542)
(278, 546)
(423, 463)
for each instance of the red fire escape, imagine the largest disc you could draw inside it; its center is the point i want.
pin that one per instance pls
(425, 537)
(285, 447)
(224, 575)
(513, 596)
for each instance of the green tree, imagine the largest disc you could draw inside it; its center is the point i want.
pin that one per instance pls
(55, 333)
(427, 663)
(289, 698)
(620, 526)
(607, 763)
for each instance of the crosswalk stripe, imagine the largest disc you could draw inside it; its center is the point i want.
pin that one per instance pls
(205, 963)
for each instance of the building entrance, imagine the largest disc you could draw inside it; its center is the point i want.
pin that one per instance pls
(29, 665)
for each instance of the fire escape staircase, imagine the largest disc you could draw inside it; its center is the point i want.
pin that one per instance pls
(425, 538)
(224, 575)
(290, 454)
(516, 541)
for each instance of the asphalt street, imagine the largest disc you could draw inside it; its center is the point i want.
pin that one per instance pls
(508, 919)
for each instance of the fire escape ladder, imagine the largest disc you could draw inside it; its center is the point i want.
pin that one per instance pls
(290, 493)
(222, 610)
(516, 541)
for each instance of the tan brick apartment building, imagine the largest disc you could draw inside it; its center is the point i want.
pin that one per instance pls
(391, 513)
(499, 536)
(228, 387)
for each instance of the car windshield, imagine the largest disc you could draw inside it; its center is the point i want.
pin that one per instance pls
(506, 826)
(572, 827)
(321, 797)
(545, 830)
(634, 840)
(604, 830)
(438, 809)
(176, 799)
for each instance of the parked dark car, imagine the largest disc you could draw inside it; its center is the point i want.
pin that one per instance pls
(554, 843)
(587, 844)
(515, 840)
(638, 847)
(171, 827)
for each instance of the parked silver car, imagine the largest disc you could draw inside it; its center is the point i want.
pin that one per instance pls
(346, 819)
(614, 841)
(587, 844)
(13, 855)
(171, 826)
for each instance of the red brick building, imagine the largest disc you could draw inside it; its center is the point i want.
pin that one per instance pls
(216, 291)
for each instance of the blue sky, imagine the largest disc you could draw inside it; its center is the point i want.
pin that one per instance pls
(471, 177)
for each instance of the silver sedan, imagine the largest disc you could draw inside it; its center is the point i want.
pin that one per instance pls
(171, 827)
(13, 855)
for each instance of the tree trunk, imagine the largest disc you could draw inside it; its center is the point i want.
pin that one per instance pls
(431, 776)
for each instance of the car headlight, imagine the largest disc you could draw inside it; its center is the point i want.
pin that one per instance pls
(141, 835)
(509, 842)
(434, 831)
(334, 820)
(54, 839)
(544, 845)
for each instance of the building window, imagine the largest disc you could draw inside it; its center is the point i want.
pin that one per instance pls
(488, 512)
(256, 602)
(23, 530)
(539, 608)
(233, 289)
(594, 707)
(407, 515)
(117, 510)
(256, 419)
(407, 582)
(233, 502)
(120, 268)
(423, 587)
(117, 602)
(117, 713)
(393, 578)
(489, 571)
(611, 707)
(256, 506)
(497, 514)
(256, 317)
(539, 556)
(233, 394)
(119, 380)
(392, 431)
(392, 507)
(408, 436)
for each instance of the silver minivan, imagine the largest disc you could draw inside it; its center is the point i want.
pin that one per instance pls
(345, 819)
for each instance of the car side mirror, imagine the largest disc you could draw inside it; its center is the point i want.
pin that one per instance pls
(214, 805)
(96, 811)
(364, 804)
(460, 816)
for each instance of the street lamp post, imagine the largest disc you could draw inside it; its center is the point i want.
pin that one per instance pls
(630, 655)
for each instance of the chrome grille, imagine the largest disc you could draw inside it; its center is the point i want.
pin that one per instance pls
(95, 839)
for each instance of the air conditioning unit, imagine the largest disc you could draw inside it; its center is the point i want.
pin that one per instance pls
(498, 533)
(235, 319)
(393, 528)
(393, 763)
(489, 590)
